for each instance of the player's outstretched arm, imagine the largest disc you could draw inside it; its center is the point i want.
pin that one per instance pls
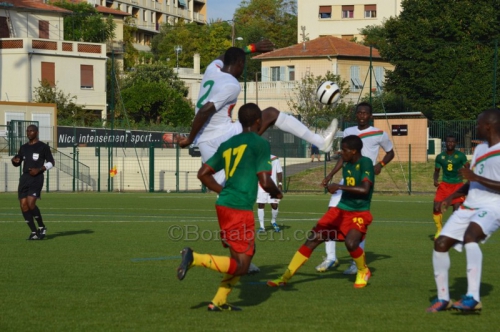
(468, 174)
(334, 171)
(204, 114)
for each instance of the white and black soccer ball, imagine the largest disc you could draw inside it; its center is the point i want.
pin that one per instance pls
(328, 93)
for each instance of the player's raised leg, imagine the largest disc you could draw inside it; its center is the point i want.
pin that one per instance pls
(271, 116)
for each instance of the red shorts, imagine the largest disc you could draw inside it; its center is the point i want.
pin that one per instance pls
(336, 223)
(446, 189)
(237, 229)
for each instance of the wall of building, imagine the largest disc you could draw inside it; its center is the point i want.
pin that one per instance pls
(338, 26)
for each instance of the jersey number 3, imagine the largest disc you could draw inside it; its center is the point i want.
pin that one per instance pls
(232, 158)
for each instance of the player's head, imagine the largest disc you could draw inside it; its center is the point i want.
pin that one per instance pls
(234, 58)
(488, 123)
(32, 131)
(363, 114)
(365, 105)
(350, 147)
(250, 115)
(450, 142)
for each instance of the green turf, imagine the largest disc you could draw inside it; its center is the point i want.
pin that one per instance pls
(109, 260)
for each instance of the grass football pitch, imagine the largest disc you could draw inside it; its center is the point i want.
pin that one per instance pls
(108, 264)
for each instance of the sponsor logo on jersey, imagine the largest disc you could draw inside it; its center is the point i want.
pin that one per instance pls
(35, 156)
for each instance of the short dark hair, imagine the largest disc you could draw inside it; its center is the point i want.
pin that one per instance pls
(353, 142)
(450, 136)
(492, 115)
(248, 114)
(32, 126)
(365, 104)
(233, 55)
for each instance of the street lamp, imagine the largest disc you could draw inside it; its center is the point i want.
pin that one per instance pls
(178, 49)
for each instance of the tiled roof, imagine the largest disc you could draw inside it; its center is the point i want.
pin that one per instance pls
(33, 5)
(321, 47)
(104, 10)
(112, 11)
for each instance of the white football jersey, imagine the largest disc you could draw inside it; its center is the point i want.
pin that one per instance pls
(485, 163)
(275, 162)
(373, 139)
(222, 89)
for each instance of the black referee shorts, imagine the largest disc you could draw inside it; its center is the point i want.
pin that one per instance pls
(30, 186)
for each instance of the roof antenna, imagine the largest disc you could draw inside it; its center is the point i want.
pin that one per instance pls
(304, 37)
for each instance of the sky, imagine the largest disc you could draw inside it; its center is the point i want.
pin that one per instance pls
(221, 9)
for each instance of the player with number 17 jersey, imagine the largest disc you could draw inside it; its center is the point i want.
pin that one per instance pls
(242, 157)
(222, 89)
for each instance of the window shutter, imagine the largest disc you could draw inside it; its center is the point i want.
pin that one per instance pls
(265, 74)
(86, 76)
(325, 9)
(49, 73)
(43, 29)
(282, 73)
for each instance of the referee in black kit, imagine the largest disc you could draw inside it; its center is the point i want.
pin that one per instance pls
(37, 159)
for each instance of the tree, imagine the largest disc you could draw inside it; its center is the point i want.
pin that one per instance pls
(304, 101)
(131, 53)
(443, 52)
(209, 41)
(153, 94)
(85, 23)
(68, 112)
(275, 20)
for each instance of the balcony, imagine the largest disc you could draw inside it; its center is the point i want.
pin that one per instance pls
(48, 46)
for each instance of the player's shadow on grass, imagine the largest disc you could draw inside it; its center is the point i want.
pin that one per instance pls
(51, 236)
(374, 256)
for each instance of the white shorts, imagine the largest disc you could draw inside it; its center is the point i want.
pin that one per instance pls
(455, 227)
(208, 148)
(335, 199)
(264, 198)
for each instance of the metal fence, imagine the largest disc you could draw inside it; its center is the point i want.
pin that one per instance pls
(166, 167)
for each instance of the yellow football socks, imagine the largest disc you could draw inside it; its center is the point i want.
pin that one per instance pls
(220, 264)
(438, 220)
(300, 257)
(225, 287)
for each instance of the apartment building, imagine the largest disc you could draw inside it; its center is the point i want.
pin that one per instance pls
(32, 49)
(281, 69)
(342, 18)
(149, 15)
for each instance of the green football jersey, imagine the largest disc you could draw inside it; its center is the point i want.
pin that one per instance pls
(353, 175)
(450, 165)
(242, 157)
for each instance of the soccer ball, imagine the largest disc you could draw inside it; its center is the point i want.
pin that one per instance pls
(328, 93)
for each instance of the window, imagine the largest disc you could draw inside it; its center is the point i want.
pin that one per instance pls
(275, 74)
(348, 11)
(44, 126)
(4, 27)
(379, 78)
(291, 73)
(356, 84)
(86, 76)
(325, 11)
(370, 11)
(49, 73)
(43, 29)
